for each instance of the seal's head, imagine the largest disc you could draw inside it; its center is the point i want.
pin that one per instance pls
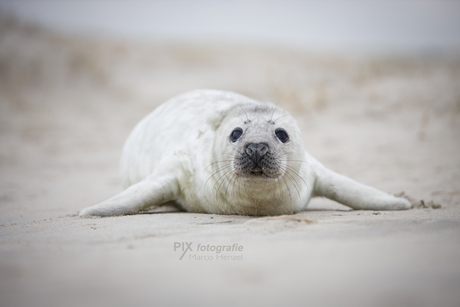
(258, 148)
(260, 152)
(263, 144)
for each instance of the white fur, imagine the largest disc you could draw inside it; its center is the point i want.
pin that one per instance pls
(181, 152)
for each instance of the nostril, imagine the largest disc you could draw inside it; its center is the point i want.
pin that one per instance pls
(256, 151)
(263, 150)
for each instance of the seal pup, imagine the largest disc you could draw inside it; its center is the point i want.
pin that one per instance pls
(220, 152)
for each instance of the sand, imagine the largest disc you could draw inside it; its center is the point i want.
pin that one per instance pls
(68, 103)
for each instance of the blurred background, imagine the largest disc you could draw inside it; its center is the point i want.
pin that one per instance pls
(63, 61)
(373, 85)
(377, 25)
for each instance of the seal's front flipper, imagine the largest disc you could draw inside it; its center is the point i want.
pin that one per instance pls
(152, 191)
(354, 194)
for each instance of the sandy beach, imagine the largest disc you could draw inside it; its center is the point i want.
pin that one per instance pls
(68, 103)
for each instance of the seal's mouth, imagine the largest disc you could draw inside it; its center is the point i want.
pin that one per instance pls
(267, 166)
(257, 171)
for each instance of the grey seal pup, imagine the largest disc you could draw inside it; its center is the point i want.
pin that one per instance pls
(220, 152)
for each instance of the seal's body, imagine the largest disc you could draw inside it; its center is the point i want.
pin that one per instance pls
(220, 152)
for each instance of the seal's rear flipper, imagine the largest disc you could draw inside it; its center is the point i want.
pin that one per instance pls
(152, 191)
(354, 194)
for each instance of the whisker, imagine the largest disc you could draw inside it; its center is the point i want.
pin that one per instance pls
(218, 162)
(228, 173)
(244, 112)
(274, 109)
(237, 117)
(222, 168)
(282, 117)
(301, 161)
(295, 173)
(289, 190)
(220, 178)
(233, 185)
(278, 186)
(229, 179)
(293, 182)
(227, 169)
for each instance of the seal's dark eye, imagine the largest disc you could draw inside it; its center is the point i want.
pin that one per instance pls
(282, 135)
(236, 134)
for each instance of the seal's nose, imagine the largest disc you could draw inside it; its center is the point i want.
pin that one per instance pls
(256, 151)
